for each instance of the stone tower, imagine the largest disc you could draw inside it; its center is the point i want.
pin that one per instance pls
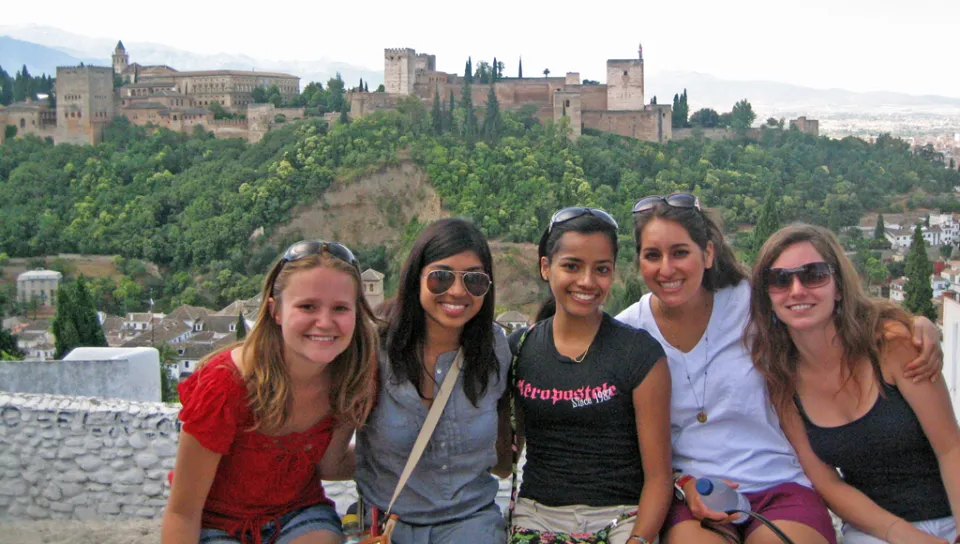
(85, 103)
(120, 59)
(399, 66)
(625, 83)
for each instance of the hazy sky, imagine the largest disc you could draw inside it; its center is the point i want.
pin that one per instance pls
(907, 46)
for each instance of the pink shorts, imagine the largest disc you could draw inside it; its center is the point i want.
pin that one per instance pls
(785, 502)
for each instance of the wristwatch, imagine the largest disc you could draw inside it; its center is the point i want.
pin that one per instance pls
(678, 484)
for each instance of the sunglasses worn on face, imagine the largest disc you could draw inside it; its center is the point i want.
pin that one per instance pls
(676, 200)
(568, 214)
(440, 281)
(308, 248)
(811, 275)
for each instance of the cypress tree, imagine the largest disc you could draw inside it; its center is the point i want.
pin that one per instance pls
(470, 118)
(360, 88)
(879, 233)
(493, 71)
(452, 106)
(436, 115)
(241, 327)
(520, 69)
(917, 290)
(343, 113)
(768, 222)
(76, 323)
(491, 122)
(469, 74)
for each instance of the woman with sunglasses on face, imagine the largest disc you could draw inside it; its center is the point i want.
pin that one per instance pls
(592, 400)
(266, 419)
(445, 303)
(832, 361)
(721, 421)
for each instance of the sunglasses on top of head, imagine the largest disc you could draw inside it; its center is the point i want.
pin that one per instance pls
(441, 280)
(309, 248)
(676, 200)
(811, 275)
(568, 214)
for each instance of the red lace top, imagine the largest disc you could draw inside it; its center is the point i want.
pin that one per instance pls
(260, 477)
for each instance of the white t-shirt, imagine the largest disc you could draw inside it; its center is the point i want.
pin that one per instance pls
(741, 440)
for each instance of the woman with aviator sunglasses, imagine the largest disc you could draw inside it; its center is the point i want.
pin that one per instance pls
(445, 304)
(592, 399)
(722, 423)
(832, 359)
(266, 419)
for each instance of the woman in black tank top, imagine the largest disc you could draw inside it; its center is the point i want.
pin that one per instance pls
(832, 359)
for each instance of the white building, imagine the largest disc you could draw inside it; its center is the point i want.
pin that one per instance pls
(899, 238)
(951, 349)
(939, 284)
(40, 284)
(896, 290)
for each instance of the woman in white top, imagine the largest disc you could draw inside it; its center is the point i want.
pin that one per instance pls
(721, 421)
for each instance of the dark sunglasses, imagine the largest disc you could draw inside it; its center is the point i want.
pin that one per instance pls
(308, 248)
(811, 275)
(440, 281)
(676, 200)
(567, 214)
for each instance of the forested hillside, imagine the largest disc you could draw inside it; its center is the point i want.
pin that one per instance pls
(191, 203)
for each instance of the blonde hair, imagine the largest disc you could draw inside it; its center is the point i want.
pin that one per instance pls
(352, 372)
(859, 320)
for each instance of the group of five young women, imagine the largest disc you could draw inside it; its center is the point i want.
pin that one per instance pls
(771, 382)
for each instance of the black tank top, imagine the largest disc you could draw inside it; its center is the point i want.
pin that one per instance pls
(886, 455)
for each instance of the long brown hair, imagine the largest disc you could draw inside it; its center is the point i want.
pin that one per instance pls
(859, 320)
(352, 373)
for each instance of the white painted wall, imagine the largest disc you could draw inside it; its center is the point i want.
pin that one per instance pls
(113, 373)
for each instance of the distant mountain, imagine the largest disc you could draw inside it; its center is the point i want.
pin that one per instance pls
(38, 58)
(78, 46)
(775, 99)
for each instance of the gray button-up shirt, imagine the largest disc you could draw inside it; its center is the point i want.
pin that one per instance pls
(452, 479)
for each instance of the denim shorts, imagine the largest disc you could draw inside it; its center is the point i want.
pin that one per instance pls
(319, 517)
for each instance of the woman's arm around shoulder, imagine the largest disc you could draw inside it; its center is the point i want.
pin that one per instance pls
(195, 469)
(930, 401)
(651, 404)
(339, 461)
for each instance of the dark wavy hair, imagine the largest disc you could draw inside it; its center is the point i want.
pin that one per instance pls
(404, 334)
(550, 243)
(726, 270)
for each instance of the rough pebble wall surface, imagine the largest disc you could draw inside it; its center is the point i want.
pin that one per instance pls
(87, 458)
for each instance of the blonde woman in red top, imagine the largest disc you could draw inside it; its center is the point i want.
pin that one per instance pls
(264, 421)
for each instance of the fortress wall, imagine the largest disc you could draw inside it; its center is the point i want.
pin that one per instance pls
(593, 97)
(642, 125)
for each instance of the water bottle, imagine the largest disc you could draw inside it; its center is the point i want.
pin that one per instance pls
(351, 525)
(717, 495)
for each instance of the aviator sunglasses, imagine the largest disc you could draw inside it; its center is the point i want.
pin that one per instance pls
(676, 200)
(568, 214)
(308, 248)
(440, 281)
(811, 275)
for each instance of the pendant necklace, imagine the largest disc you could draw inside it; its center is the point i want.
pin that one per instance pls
(700, 400)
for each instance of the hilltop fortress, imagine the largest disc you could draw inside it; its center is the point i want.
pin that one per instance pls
(616, 106)
(87, 99)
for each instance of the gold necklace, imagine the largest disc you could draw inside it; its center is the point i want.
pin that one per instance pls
(583, 355)
(700, 401)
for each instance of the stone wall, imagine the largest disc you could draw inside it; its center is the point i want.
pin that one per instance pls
(86, 458)
(706, 133)
(653, 124)
(625, 84)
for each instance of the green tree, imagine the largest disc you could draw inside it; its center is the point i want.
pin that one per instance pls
(76, 323)
(483, 73)
(520, 68)
(9, 351)
(769, 221)
(169, 373)
(918, 290)
(546, 72)
(241, 327)
(344, 118)
(491, 120)
(470, 117)
(946, 251)
(706, 118)
(436, 114)
(451, 107)
(258, 95)
(680, 110)
(6, 88)
(880, 231)
(742, 116)
(468, 70)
